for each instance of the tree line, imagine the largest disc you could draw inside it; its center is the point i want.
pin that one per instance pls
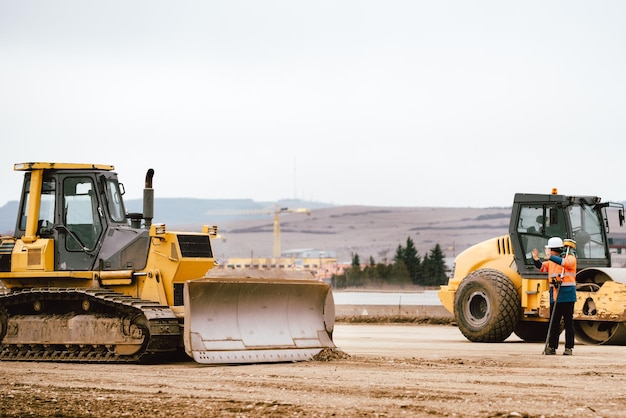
(408, 267)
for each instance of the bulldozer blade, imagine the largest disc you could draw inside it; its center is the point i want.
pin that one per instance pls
(257, 316)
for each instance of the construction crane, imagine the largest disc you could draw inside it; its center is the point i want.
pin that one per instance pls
(276, 212)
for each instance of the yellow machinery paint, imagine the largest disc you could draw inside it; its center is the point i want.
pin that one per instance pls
(88, 282)
(495, 289)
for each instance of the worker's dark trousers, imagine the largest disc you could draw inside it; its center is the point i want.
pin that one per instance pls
(563, 310)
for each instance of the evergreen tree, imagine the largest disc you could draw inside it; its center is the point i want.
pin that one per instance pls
(384, 272)
(355, 261)
(338, 281)
(399, 256)
(399, 274)
(408, 267)
(372, 275)
(412, 261)
(438, 266)
(354, 276)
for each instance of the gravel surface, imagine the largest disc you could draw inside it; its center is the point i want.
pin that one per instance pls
(380, 371)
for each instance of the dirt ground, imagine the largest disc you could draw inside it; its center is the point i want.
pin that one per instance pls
(387, 371)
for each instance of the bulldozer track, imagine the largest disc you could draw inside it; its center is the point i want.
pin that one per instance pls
(160, 328)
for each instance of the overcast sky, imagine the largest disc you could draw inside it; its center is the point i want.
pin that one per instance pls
(384, 103)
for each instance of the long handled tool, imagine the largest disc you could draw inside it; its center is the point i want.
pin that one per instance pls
(556, 289)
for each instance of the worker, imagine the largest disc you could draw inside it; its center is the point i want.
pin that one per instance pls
(561, 268)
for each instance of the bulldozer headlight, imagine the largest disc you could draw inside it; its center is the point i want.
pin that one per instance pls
(210, 229)
(159, 229)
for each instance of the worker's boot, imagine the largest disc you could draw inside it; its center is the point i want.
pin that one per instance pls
(549, 351)
(567, 352)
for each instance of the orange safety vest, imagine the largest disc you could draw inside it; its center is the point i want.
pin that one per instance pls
(568, 272)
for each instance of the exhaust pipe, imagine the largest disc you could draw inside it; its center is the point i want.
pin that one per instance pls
(148, 199)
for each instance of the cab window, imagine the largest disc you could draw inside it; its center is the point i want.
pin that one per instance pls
(81, 213)
(114, 201)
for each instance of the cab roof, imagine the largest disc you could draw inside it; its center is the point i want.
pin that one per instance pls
(60, 166)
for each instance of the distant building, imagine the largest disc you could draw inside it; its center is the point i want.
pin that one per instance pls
(322, 264)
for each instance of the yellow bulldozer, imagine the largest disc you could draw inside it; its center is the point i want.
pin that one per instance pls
(88, 282)
(495, 289)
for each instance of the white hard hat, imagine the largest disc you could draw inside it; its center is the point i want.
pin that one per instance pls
(555, 242)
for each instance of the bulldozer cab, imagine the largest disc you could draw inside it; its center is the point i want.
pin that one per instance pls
(536, 218)
(73, 208)
(108, 291)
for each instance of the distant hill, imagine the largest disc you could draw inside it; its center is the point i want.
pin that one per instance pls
(8, 216)
(190, 211)
(246, 227)
(368, 231)
(186, 211)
